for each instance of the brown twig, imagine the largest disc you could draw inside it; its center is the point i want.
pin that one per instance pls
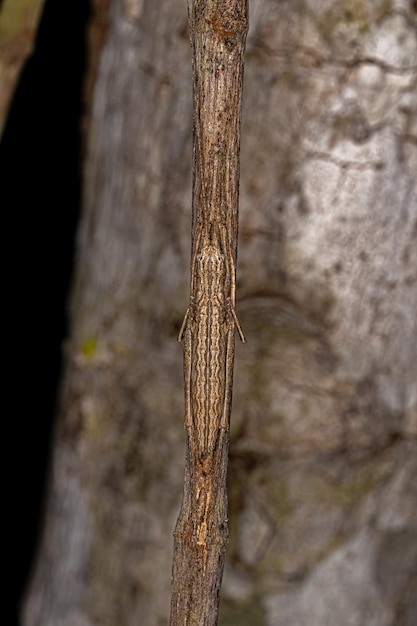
(218, 33)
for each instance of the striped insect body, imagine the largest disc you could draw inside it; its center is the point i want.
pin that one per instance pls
(208, 333)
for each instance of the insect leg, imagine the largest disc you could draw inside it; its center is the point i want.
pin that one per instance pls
(187, 380)
(231, 274)
(227, 402)
(238, 326)
(184, 325)
(192, 282)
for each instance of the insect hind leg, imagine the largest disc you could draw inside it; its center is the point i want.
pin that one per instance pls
(238, 326)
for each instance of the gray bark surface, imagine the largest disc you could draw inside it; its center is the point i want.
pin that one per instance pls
(323, 451)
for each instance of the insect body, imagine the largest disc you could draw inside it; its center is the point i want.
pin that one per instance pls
(208, 333)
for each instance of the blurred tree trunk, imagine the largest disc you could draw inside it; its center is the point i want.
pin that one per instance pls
(18, 26)
(322, 490)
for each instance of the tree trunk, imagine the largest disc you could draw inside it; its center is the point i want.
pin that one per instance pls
(18, 26)
(323, 450)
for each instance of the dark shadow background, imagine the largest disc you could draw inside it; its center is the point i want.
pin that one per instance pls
(40, 192)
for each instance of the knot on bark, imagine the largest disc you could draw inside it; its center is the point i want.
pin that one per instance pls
(228, 20)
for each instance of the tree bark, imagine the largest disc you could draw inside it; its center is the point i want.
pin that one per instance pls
(18, 26)
(218, 34)
(323, 448)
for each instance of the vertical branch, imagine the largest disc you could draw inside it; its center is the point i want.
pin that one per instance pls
(218, 33)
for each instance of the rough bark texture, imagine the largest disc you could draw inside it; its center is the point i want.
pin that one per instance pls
(200, 540)
(218, 33)
(322, 489)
